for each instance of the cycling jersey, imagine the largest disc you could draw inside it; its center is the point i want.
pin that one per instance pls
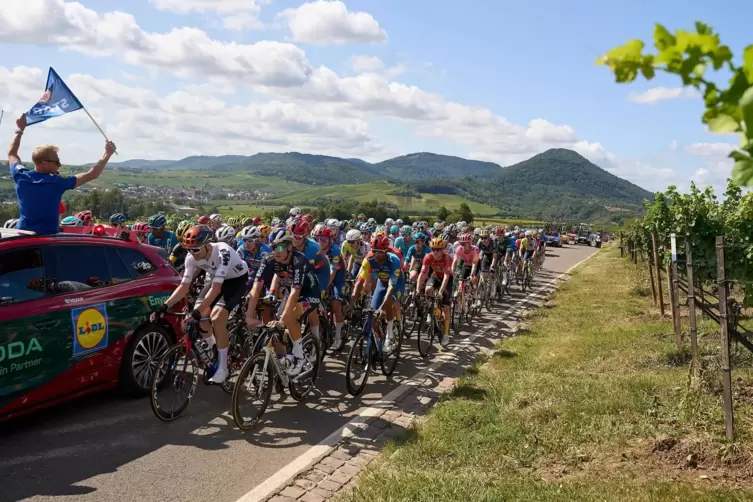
(338, 267)
(223, 263)
(253, 260)
(413, 252)
(389, 271)
(525, 243)
(469, 258)
(438, 267)
(298, 269)
(402, 245)
(167, 241)
(486, 251)
(505, 245)
(347, 251)
(313, 253)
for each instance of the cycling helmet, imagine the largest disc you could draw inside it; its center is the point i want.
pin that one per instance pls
(140, 227)
(250, 233)
(465, 238)
(197, 236)
(204, 220)
(316, 229)
(394, 229)
(418, 236)
(477, 231)
(86, 216)
(389, 222)
(445, 237)
(295, 211)
(225, 234)
(157, 221)
(234, 221)
(300, 227)
(451, 229)
(332, 224)
(528, 233)
(437, 243)
(276, 222)
(264, 231)
(344, 225)
(399, 222)
(324, 231)
(361, 217)
(182, 227)
(379, 231)
(13, 222)
(282, 236)
(246, 222)
(380, 241)
(421, 226)
(405, 230)
(117, 219)
(353, 235)
(484, 233)
(371, 221)
(438, 225)
(364, 227)
(257, 220)
(71, 221)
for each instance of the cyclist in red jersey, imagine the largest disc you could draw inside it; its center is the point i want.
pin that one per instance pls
(439, 265)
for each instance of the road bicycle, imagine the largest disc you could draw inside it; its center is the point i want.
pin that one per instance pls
(462, 303)
(413, 310)
(368, 350)
(266, 371)
(434, 326)
(527, 275)
(486, 285)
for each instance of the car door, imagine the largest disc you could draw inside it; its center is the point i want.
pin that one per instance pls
(35, 347)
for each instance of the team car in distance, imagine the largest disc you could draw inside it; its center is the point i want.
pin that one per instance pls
(74, 316)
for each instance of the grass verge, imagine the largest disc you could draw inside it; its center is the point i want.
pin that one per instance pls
(594, 402)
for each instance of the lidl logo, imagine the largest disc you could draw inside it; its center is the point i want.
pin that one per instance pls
(89, 328)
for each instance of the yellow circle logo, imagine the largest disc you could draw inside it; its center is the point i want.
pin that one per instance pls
(91, 328)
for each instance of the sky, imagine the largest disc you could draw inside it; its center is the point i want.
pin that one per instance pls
(488, 80)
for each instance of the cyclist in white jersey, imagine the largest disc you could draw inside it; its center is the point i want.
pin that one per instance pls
(224, 286)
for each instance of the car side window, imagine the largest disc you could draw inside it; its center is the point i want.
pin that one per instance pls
(80, 268)
(22, 275)
(136, 263)
(118, 270)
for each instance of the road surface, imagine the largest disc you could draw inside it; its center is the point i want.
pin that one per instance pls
(109, 448)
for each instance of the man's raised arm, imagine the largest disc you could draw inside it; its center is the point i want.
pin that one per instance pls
(15, 143)
(97, 168)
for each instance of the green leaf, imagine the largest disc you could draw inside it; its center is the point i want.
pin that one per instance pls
(711, 95)
(703, 28)
(663, 39)
(723, 124)
(720, 56)
(748, 63)
(746, 107)
(647, 71)
(742, 171)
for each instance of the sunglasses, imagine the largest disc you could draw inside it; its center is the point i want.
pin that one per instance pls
(352, 243)
(281, 248)
(434, 250)
(54, 161)
(322, 239)
(193, 250)
(378, 251)
(251, 241)
(299, 237)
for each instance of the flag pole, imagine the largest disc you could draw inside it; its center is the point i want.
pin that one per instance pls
(95, 123)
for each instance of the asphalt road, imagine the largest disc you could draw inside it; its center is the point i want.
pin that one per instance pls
(110, 448)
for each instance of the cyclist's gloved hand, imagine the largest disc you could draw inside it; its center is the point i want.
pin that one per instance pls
(163, 308)
(196, 314)
(269, 299)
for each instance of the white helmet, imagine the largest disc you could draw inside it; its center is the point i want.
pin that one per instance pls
(251, 232)
(11, 223)
(216, 218)
(296, 211)
(528, 233)
(333, 225)
(225, 233)
(477, 231)
(389, 222)
(399, 222)
(438, 225)
(353, 235)
(316, 229)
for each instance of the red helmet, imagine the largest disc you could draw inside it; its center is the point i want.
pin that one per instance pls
(380, 242)
(300, 227)
(141, 227)
(324, 232)
(204, 220)
(465, 238)
(86, 216)
(257, 220)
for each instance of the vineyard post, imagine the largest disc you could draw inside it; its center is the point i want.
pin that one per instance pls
(675, 292)
(657, 271)
(724, 327)
(651, 276)
(672, 307)
(691, 307)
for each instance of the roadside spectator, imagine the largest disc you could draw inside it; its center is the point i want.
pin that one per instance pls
(39, 191)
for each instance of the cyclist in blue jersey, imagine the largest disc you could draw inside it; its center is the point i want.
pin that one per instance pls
(300, 230)
(415, 255)
(252, 250)
(325, 237)
(403, 243)
(160, 237)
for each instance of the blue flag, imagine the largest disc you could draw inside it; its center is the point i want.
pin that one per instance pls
(57, 100)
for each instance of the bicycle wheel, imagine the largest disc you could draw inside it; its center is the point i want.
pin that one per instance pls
(489, 288)
(457, 313)
(236, 356)
(177, 374)
(389, 360)
(409, 314)
(301, 384)
(359, 359)
(259, 383)
(425, 340)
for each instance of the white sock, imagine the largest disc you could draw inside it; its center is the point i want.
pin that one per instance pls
(390, 325)
(338, 329)
(222, 354)
(210, 341)
(315, 330)
(298, 349)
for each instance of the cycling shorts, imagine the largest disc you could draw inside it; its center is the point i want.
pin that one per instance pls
(381, 291)
(435, 283)
(529, 254)
(230, 295)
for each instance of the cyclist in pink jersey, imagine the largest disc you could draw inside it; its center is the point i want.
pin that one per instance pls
(469, 254)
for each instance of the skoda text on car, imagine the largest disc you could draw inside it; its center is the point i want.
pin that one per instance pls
(74, 316)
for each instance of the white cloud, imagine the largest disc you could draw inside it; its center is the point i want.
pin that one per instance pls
(657, 94)
(710, 149)
(218, 6)
(366, 64)
(242, 22)
(673, 145)
(329, 22)
(394, 71)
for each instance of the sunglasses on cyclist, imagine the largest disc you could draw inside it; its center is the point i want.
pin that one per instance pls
(322, 239)
(378, 251)
(299, 237)
(280, 248)
(252, 241)
(193, 250)
(436, 249)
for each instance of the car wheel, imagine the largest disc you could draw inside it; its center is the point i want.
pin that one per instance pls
(144, 351)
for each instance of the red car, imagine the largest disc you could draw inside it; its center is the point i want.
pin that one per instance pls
(74, 316)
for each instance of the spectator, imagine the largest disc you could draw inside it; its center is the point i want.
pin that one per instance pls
(39, 191)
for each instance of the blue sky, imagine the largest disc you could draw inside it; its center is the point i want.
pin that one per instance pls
(502, 63)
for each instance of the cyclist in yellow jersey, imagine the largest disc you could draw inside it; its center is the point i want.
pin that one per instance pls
(527, 248)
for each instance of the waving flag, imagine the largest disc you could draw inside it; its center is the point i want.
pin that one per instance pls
(57, 100)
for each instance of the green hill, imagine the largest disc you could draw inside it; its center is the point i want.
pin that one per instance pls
(421, 166)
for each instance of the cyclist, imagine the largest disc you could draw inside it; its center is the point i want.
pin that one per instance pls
(294, 213)
(68, 221)
(487, 251)
(354, 250)
(325, 238)
(226, 234)
(415, 255)
(467, 254)
(403, 243)
(304, 293)
(299, 229)
(526, 249)
(224, 285)
(252, 251)
(141, 229)
(437, 266)
(178, 254)
(158, 236)
(87, 217)
(390, 282)
(118, 220)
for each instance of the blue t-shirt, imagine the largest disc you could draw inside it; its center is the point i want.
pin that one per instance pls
(39, 196)
(167, 241)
